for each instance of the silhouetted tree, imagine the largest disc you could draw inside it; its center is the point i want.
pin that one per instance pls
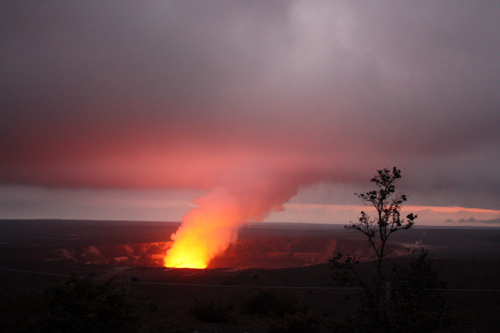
(387, 219)
(411, 298)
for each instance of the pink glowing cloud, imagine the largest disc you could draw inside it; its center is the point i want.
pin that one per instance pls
(175, 96)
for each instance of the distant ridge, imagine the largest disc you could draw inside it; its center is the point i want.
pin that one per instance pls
(274, 225)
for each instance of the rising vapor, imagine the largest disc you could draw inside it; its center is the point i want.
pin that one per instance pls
(210, 228)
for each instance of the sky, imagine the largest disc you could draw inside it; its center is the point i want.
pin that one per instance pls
(130, 110)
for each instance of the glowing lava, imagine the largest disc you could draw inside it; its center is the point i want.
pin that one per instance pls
(187, 256)
(209, 229)
(205, 231)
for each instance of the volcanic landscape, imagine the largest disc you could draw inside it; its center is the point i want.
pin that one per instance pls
(290, 260)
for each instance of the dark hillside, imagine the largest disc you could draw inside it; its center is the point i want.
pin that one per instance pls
(288, 262)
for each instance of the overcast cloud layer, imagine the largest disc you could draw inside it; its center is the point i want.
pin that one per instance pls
(193, 94)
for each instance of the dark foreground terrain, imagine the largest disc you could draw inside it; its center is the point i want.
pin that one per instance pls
(272, 265)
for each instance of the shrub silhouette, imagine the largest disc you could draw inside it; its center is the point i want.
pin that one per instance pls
(285, 314)
(417, 299)
(80, 305)
(270, 304)
(211, 312)
(298, 322)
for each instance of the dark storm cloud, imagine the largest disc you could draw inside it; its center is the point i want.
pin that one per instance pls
(332, 90)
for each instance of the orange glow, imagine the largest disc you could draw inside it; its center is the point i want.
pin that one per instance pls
(208, 230)
(205, 232)
(413, 208)
(453, 209)
(187, 256)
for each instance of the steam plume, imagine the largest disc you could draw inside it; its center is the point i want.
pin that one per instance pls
(211, 227)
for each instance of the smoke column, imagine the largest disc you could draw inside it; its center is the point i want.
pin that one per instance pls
(211, 227)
